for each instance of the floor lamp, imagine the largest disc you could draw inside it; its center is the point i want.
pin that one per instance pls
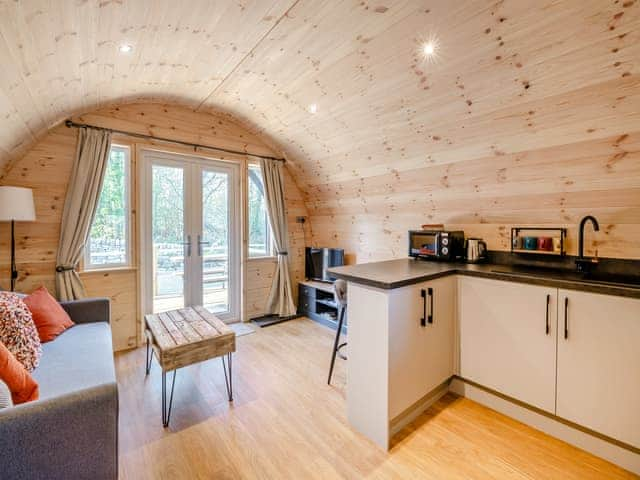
(16, 205)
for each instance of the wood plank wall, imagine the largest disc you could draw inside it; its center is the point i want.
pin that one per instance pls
(485, 197)
(46, 168)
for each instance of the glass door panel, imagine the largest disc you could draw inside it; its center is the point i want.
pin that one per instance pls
(190, 252)
(214, 241)
(170, 245)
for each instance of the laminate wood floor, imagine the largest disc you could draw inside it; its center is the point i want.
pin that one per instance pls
(287, 423)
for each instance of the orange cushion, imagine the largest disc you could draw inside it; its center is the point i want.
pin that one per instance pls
(21, 384)
(50, 318)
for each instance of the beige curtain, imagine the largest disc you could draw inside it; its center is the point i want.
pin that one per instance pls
(83, 193)
(280, 299)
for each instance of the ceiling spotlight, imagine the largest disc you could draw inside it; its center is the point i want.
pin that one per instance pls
(429, 48)
(126, 48)
(313, 108)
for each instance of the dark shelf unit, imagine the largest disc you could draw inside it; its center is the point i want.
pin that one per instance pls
(559, 233)
(316, 301)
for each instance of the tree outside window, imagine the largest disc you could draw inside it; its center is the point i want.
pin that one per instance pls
(260, 244)
(108, 242)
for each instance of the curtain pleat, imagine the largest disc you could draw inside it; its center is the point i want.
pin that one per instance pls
(280, 299)
(81, 202)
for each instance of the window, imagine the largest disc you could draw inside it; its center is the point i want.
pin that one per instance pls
(260, 244)
(108, 243)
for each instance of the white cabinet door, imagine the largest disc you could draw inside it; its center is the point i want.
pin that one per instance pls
(599, 363)
(507, 338)
(420, 353)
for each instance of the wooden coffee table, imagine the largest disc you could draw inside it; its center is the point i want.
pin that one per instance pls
(183, 337)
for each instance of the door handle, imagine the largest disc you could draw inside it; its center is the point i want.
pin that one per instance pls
(200, 244)
(188, 245)
(423, 294)
(547, 316)
(430, 318)
(566, 317)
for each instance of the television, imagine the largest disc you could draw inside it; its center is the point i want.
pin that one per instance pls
(319, 260)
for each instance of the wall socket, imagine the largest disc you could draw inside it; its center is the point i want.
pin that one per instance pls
(301, 219)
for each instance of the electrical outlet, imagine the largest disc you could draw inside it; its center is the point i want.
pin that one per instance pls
(300, 219)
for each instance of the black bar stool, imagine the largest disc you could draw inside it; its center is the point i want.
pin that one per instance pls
(340, 297)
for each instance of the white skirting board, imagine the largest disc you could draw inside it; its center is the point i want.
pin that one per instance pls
(597, 446)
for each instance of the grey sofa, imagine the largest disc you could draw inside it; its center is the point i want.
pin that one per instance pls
(71, 431)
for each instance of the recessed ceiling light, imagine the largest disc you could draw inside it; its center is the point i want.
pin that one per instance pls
(429, 48)
(313, 108)
(126, 48)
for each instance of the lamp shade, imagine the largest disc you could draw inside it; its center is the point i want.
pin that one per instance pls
(16, 203)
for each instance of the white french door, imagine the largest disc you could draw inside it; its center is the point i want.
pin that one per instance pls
(190, 249)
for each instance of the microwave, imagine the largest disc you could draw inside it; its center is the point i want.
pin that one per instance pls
(436, 244)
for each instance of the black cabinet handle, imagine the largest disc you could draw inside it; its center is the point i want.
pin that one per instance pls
(423, 294)
(430, 318)
(566, 317)
(547, 315)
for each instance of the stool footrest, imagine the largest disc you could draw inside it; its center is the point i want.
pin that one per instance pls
(340, 354)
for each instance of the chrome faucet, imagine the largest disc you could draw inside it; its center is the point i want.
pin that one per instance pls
(586, 264)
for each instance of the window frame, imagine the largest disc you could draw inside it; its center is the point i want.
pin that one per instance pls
(271, 246)
(87, 265)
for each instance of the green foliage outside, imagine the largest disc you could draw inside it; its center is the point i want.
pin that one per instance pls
(167, 204)
(259, 229)
(107, 237)
(215, 211)
(108, 233)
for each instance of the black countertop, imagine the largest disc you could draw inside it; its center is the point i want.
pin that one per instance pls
(402, 272)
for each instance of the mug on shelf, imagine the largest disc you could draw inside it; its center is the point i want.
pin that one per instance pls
(545, 243)
(517, 242)
(530, 243)
(557, 244)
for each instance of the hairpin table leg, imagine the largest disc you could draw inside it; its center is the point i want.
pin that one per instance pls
(166, 409)
(149, 357)
(227, 378)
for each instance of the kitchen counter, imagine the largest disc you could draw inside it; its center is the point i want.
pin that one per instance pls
(417, 330)
(393, 274)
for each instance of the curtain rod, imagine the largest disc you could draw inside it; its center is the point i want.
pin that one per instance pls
(72, 124)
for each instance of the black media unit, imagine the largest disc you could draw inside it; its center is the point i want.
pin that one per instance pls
(315, 300)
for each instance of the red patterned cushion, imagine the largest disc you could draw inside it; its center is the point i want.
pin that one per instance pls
(18, 332)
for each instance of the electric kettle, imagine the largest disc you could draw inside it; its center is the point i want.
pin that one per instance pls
(476, 250)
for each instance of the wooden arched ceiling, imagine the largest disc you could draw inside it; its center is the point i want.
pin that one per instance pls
(507, 76)
(62, 57)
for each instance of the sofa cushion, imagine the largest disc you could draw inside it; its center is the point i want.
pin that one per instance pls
(18, 332)
(22, 385)
(50, 318)
(81, 357)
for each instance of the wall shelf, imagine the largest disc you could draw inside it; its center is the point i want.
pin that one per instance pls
(538, 252)
(523, 236)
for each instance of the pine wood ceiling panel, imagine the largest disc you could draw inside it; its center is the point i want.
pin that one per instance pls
(499, 63)
(599, 111)
(61, 57)
(177, 122)
(508, 76)
(591, 165)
